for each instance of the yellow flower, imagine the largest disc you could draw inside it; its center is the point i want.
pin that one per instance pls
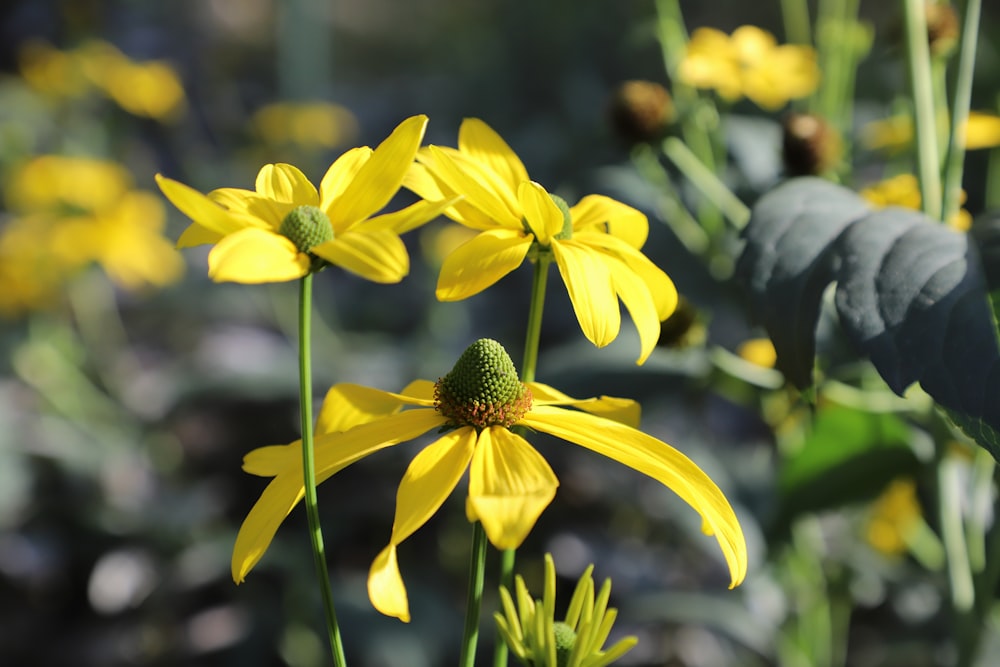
(759, 351)
(285, 228)
(596, 243)
(749, 63)
(904, 190)
(50, 182)
(536, 639)
(306, 124)
(51, 71)
(894, 517)
(510, 484)
(895, 133)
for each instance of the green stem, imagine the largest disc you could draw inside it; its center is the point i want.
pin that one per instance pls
(953, 535)
(919, 61)
(795, 16)
(309, 468)
(706, 181)
(528, 368)
(477, 575)
(971, 624)
(960, 110)
(669, 206)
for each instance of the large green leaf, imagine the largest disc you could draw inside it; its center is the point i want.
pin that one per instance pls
(911, 294)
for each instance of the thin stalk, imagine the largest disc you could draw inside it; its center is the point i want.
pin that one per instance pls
(477, 575)
(960, 110)
(309, 468)
(919, 61)
(972, 624)
(528, 367)
(953, 535)
(706, 181)
(795, 16)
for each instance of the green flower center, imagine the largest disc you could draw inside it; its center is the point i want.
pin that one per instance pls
(482, 389)
(306, 227)
(565, 639)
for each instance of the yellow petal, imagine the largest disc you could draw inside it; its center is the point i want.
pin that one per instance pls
(378, 180)
(420, 180)
(543, 216)
(375, 255)
(410, 217)
(613, 217)
(385, 586)
(339, 176)
(286, 184)
(253, 256)
(334, 452)
(658, 460)
(347, 405)
(482, 143)
(267, 213)
(510, 485)
(480, 262)
(481, 189)
(271, 460)
(635, 294)
(623, 410)
(588, 282)
(982, 131)
(195, 234)
(659, 283)
(199, 208)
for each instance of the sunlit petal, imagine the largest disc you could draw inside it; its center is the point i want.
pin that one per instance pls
(379, 256)
(623, 410)
(347, 405)
(257, 210)
(542, 214)
(261, 524)
(339, 176)
(385, 586)
(199, 208)
(420, 180)
(613, 217)
(410, 217)
(286, 184)
(253, 256)
(482, 143)
(271, 460)
(637, 298)
(467, 177)
(510, 485)
(659, 283)
(480, 262)
(195, 234)
(378, 180)
(588, 282)
(658, 460)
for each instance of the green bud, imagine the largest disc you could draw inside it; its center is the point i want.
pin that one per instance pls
(482, 389)
(306, 227)
(565, 639)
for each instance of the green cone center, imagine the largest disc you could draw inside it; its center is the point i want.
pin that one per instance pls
(483, 388)
(565, 639)
(306, 227)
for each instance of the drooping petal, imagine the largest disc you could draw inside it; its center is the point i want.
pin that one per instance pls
(635, 294)
(429, 480)
(482, 143)
(333, 452)
(612, 217)
(588, 282)
(658, 460)
(376, 255)
(253, 256)
(378, 180)
(623, 410)
(480, 262)
(195, 234)
(271, 460)
(660, 285)
(466, 177)
(199, 208)
(386, 589)
(347, 405)
(410, 217)
(542, 214)
(510, 485)
(340, 174)
(286, 184)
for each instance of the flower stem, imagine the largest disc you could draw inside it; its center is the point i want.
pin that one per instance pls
(528, 367)
(477, 570)
(960, 110)
(309, 467)
(705, 180)
(919, 59)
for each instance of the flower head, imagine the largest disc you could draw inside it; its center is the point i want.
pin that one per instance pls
(286, 228)
(510, 484)
(749, 63)
(536, 639)
(904, 190)
(595, 244)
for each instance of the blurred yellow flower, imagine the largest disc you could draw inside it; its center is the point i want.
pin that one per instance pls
(595, 244)
(749, 63)
(305, 124)
(286, 228)
(759, 351)
(69, 212)
(51, 71)
(895, 515)
(904, 190)
(895, 133)
(510, 483)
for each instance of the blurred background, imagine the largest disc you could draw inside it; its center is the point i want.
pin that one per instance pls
(131, 386)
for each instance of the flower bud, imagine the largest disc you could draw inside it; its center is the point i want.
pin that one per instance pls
(641, 111)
